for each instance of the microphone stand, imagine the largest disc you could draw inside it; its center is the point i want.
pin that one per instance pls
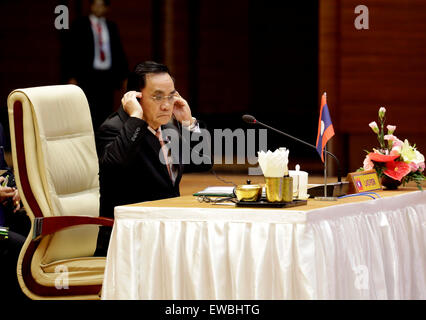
(325, 197)
(342, 187)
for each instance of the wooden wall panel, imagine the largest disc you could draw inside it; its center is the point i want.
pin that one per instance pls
(385, 65)
(382, 66)
(223, 63)
(206, 45)
(329, 71)
(30, 48)
(177, 43)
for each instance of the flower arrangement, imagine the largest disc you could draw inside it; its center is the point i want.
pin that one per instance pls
(395, 159)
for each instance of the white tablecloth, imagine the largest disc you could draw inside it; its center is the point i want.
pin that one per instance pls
(367, 250)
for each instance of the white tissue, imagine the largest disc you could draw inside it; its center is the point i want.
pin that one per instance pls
(300, 183)
(274, 164)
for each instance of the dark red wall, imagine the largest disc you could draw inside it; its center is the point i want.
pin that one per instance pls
(208, 46)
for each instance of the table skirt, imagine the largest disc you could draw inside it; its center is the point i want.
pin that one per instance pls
(369, 250)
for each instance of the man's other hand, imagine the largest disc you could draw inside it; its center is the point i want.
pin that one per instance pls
(181, 110)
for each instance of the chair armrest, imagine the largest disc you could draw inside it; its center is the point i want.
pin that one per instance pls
(48, 225)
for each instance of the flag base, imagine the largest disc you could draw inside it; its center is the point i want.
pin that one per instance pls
(334, 189)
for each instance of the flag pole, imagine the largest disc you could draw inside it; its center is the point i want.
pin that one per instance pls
(325, 165)
(325, 171)
(325, 197)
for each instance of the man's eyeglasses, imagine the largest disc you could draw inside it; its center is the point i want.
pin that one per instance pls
(161, 99)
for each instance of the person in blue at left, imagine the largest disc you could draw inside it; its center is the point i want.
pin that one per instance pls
(14, 217)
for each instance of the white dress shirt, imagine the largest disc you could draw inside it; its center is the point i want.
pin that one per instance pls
(98, 64)
(193, 128)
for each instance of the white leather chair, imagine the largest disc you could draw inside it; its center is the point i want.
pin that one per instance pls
(56, 171)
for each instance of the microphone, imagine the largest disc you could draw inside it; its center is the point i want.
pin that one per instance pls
(250, 119)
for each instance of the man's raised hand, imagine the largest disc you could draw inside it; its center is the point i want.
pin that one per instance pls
(131, 105)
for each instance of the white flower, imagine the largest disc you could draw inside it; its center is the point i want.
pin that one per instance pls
(411, 154)
(419, 157)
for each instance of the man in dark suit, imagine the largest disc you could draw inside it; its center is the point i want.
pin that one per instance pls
(15, 219)
(96, 60)
(135, 163)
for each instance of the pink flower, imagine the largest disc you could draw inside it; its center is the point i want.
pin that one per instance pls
(374, 127)
(382, 112)
(368, 164)
(414, 167)
(421, 166)
(394, 143)
(391, 129)
(394, 139)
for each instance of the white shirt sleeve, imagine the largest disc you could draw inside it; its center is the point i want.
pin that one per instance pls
(98, 64)
(194, 127)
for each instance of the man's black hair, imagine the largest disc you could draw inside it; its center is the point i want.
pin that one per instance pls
(137, 78)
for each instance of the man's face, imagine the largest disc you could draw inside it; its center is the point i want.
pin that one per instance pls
(157, 99)
(99, 8)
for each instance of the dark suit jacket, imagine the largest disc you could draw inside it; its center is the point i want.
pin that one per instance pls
(130, 170)
(3, 164)
(16, 221)
(81, 51)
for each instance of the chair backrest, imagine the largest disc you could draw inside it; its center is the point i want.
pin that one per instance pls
(60, 157)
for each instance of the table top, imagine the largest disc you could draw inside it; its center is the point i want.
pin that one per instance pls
(189, 201)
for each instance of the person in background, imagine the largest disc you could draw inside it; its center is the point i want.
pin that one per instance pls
(130, 143)
(95, 59)
(14, 218)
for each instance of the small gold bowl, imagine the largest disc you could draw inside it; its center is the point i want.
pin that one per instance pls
(248, 192)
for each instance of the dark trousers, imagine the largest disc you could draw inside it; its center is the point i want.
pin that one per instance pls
(9, 253)
(103, 241)
(19, 226)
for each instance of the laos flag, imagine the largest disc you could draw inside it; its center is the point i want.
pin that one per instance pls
(325, 127)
